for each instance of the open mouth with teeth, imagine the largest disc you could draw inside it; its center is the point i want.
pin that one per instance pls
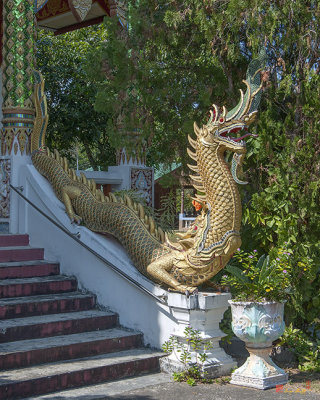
(229, 133)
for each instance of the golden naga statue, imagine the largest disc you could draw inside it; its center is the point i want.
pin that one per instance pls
(209, 244)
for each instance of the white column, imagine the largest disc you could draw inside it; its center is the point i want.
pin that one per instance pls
(202, 312)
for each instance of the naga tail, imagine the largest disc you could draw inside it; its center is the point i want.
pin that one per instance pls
(41, 120)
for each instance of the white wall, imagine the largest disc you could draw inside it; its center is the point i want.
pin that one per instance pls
(136, 309)
(18, 163)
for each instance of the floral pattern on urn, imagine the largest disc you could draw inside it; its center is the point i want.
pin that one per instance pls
(257, 324)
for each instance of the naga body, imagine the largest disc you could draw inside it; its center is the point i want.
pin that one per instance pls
(209, 244)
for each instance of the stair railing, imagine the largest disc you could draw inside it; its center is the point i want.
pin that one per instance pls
(76, 238)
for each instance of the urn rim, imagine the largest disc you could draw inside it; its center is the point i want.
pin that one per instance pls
(246, 303)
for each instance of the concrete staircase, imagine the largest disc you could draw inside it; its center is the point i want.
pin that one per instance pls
(52, 337)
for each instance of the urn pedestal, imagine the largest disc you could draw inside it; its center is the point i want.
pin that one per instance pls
(202, 312)
(258, 325)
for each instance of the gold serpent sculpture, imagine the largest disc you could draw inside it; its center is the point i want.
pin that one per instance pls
(208, 245)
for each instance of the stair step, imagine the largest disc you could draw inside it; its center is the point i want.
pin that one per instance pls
(28, 269)
(19, 307)
(56, 324)
(104, 390)
(14, 240)
(20, 253)
(47, 378)
(51, 337)
(36, 286)
(45, 350)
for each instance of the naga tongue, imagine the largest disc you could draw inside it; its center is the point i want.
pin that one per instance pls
(242, 137)
(235, 130)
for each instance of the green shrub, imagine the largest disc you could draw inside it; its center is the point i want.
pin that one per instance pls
(306, 350)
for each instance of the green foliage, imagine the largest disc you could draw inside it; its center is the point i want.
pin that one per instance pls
(303, 305)
(223, 380)
(306, 350)
(74, 125)
(263, 279)
(180, 56)
(225, 326)
(166, 215)
(283, 200)
(161, 85)
(192, 372)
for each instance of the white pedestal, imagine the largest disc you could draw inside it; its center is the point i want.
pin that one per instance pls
(259, 371)
(202, 312)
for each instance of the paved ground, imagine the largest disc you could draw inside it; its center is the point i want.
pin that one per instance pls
(160, 387)
(183, 391)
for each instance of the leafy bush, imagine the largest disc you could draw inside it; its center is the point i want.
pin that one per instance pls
(306, 350)
(251, 279)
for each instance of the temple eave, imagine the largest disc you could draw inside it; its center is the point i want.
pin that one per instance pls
(64, 20)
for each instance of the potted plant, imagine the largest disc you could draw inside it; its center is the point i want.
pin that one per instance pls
(259, 288)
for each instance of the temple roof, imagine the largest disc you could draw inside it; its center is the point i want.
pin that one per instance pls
(66, 15)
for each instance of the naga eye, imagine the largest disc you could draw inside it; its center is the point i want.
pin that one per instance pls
(221, 120)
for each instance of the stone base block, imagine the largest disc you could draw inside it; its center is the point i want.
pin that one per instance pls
(211, 369)
(259, 383)
(170, 366)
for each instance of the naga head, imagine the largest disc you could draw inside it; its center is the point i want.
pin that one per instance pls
(226, 130)
(229, 129)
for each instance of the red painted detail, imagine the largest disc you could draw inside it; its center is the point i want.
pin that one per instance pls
(68, 352)
(48, 384)
(53, 306)
(59, 328)
(37, 288)
(14, 240)
(21, 254)
(29, 271)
